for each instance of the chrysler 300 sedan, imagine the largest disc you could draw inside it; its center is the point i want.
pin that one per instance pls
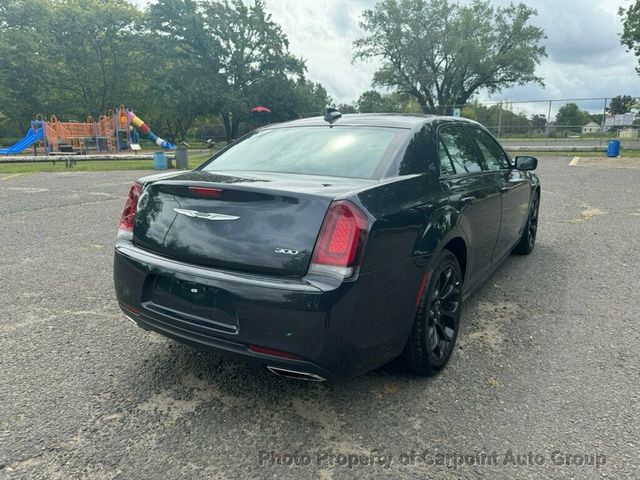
(323, 248)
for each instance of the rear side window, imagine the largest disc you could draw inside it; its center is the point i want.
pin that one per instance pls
(494, 156)
(446, 167)
(414, 159)
(354, 152)
(460, 150)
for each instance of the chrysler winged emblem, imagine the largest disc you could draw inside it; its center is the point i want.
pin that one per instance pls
(204, 215)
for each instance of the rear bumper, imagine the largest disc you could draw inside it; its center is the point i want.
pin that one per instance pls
(165, 326)
(332, 331)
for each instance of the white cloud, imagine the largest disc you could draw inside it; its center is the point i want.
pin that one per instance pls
(585, 58)
(323, 32)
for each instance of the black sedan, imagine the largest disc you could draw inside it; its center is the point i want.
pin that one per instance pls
(323, 248)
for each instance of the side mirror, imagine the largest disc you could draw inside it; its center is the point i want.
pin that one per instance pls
(526, 163)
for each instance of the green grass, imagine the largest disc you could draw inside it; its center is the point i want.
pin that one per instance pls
(195, 160)
(90, 166)
(533, 153)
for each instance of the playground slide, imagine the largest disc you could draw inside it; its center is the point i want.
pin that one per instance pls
(145, 132)
(29, 139)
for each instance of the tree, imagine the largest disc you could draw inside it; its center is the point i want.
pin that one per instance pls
(372, 101)
(182, 90)
(442, 53)
(572, 117)
(289, 99)
(239, 45)
(346, 108)
(95, 53)
(631, 29)
(21, 89)
(73, 57)
(539, 122)
(177, 63)
(499, 118)
(620, 104)
(311, 99)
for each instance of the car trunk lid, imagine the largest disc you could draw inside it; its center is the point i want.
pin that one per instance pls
(259, 223)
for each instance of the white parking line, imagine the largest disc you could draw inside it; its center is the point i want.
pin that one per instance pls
(28, 189)
(574, 161)
(13, 175)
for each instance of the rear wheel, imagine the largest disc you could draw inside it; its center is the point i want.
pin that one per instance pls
(435, 327)
(528, 239)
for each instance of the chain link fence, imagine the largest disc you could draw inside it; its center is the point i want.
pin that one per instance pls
(581, 122)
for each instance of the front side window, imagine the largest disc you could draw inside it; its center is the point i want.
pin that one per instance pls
(494, 156)
(460, 150)
(354, 152)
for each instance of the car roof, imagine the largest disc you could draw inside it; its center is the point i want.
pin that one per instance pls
(393, 120)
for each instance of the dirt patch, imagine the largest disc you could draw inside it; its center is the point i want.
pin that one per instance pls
(186, 398)
(487, 324)
(587, 214)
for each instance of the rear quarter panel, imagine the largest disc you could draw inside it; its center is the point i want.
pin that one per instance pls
(411, 218)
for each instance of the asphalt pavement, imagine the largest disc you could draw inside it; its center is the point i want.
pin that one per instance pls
(544, 382)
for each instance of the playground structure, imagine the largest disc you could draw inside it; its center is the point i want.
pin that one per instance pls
(109, 134)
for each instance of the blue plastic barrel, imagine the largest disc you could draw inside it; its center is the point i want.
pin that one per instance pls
(160, 161)
(613, 148)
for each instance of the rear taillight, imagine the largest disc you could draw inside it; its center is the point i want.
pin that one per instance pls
(129, 211)
(342, 236)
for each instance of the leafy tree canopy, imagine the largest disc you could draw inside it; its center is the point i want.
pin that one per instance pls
(620, 104)
(499, 117)
(539, 121)
(442, 53)
(373, 101)
(240, 47)
(176, 63)
(571, 116)
(70, 56)
(631, 29)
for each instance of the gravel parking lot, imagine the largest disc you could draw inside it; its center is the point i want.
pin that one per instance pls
(546, 372)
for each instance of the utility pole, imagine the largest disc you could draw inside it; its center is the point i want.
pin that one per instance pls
(546, 138)
(604, 115)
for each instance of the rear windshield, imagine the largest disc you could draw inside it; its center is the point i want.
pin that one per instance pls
(354, 152)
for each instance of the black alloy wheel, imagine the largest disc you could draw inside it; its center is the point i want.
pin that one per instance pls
(435, 327)
(528, 239)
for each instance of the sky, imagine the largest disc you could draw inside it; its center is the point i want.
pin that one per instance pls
(585, 58)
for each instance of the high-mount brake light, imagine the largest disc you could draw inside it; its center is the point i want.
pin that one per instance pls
(206, 191)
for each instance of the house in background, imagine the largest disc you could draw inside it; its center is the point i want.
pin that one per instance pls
(591, 127)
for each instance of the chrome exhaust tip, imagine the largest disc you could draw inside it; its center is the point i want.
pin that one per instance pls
(296, 375)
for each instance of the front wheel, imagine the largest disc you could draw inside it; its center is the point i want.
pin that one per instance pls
(435, 327)
(528, 239)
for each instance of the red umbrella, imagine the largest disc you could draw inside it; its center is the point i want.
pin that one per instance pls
(260, 109)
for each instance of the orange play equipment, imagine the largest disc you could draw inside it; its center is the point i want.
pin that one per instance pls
(81, 135)
(112, 132)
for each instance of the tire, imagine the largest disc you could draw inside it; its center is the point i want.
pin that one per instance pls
(528, 239)
(436, 324)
